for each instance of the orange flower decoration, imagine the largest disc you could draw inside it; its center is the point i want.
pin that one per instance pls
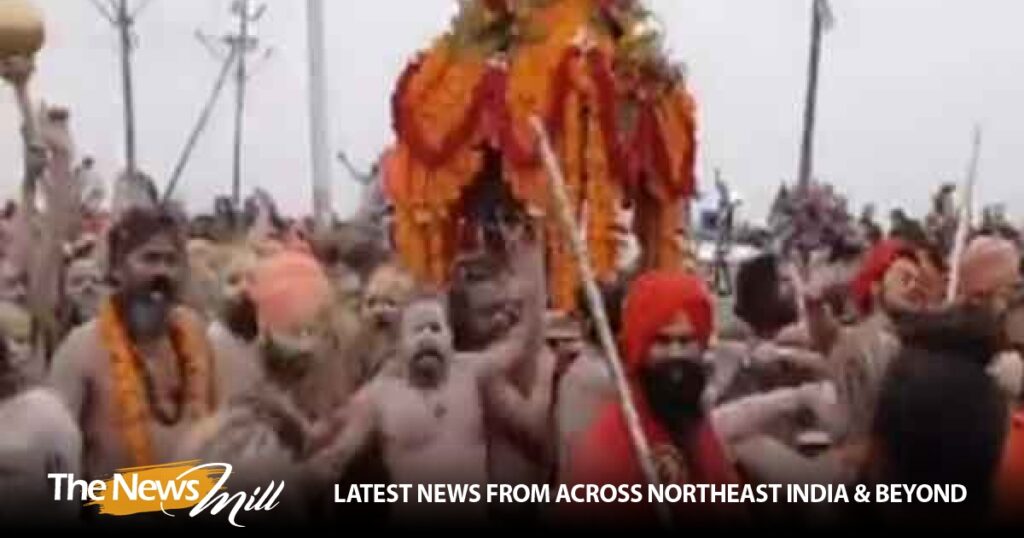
(195, 359)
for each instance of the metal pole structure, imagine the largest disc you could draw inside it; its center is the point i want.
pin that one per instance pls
(117, 14)
(811, 103)
(240, 80)
(641, 446)
(318, 114)
(124, 24)
(204, 118)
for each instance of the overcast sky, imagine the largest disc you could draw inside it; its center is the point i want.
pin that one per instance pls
(902, 83)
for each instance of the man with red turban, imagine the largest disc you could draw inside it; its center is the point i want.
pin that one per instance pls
(667, 326)
(896, 278)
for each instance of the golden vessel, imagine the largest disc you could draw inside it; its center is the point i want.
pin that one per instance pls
(21, 28)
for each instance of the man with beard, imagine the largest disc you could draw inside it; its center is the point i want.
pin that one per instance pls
(265, 429)
(752, 359)
(667, 325)
(233, 333)
(297, 342)
(427, 412)
(894, 280)
(758, 386)
(492, 291)
(137, 377)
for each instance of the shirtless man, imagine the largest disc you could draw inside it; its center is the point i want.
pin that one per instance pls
(428, 411)
(233, 332)
(388, 290)
(137, 377)
(491, 292)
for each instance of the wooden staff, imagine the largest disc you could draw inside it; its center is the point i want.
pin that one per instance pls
(964, 215)
(640, 445)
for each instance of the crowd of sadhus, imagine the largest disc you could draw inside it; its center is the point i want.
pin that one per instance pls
(314, 358)
(139, 336)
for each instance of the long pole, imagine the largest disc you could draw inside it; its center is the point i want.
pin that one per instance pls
(318, 114)
(124, 24)
(240, 81)
(594, 299)
(811, 99)
(965, 216)
(204, 118)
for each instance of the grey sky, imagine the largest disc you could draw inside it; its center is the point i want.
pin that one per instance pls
(902, 83)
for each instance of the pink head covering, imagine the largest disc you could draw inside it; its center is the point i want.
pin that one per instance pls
(988, 264)
(289, 289)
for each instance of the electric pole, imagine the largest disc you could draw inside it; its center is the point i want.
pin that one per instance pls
(319, 132)
(821, 21)
(204, 116)
(242, 44)
(117, 13)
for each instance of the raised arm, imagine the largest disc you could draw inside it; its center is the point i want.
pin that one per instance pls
(822, 328)
(525, 257)
(57, 226)
(747, 417)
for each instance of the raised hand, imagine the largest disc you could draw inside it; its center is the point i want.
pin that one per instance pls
(17, 70)
(54, 129)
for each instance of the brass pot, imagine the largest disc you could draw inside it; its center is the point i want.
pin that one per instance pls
(21, 28)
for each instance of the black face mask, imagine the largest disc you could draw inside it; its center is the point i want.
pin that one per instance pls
(674, 390)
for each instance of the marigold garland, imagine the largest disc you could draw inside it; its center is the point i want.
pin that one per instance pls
(134, 415)
(456, 98)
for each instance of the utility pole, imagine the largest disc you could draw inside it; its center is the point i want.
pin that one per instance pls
(204, 116)
(319, 133)
(117, 14)
(242, 43)
(821, 21)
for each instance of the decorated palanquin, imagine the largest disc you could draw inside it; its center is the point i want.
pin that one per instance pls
(618, 113)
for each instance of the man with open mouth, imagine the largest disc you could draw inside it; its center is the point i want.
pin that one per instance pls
(140, 374)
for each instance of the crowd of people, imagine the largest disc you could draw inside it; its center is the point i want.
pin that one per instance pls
(133, 334)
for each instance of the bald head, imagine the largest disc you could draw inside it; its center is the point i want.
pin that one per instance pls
(989, 270)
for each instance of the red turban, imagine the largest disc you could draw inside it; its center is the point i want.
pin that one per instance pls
(876, 263)
(654, 300)
(605, 453)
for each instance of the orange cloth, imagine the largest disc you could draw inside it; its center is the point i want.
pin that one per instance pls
(289, 289)
(1009, 496)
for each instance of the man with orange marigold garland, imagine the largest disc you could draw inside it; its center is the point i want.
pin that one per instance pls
(141, 374)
